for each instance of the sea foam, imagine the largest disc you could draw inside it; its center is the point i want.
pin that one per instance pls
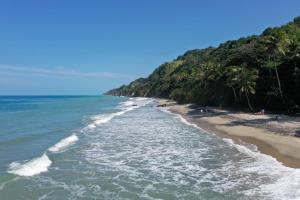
(287, 185)
(181, 118)
(126, 106)
(287, 180)
(32, 167)
(64, 143)
(127, 103)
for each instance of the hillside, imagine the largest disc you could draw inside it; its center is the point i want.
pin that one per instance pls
(259, 71)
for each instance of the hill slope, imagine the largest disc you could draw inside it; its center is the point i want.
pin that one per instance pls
(255, 72)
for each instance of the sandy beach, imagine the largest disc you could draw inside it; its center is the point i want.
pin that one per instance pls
(275, 137)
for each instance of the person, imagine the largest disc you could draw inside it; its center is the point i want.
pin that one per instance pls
(262, 112)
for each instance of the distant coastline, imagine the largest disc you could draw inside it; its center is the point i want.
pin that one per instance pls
(261, 130)
(254, 73)
(257, 73)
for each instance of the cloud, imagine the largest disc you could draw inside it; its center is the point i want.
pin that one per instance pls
(13, 70)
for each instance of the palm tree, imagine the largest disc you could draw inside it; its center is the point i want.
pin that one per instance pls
(244, 79)
(293, 51)
(294, 54)
(276, 45)
(230, 81)
(211, 72)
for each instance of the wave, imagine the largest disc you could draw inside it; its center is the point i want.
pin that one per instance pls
(286, 180)
(287, 185)
(131, 104)
(127, 103)
(101, 119)
(32, 167)
(64, 143)
(182, 119)
(41, 164)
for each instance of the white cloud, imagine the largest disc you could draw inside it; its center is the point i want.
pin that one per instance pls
(13, 70)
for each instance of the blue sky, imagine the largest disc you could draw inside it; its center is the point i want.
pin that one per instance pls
(88, 47)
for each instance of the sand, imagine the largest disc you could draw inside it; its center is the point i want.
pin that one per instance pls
(275, 137)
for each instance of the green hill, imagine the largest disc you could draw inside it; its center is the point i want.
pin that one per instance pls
(252, 72)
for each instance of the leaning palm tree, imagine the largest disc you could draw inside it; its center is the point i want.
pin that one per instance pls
(244, 79)
(276, 46)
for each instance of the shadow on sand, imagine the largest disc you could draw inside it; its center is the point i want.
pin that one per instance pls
(297, 133)
(198, 112)
(264, 123)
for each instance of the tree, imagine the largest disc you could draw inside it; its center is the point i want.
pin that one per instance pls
(211, 72)
(293, 53)
(297, 21)
(275, 46)
(213, 76)
(230, 81)
(244, 79)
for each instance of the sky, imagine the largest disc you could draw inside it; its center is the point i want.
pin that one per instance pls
(69, 47)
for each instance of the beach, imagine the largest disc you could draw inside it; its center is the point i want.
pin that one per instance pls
(106, 147)
(271, 136)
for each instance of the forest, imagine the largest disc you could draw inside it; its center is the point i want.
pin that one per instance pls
(254, 72)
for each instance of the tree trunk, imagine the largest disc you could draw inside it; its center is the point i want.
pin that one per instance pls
(234, 93)
(278, 81)
(249, 104)
(296, 76)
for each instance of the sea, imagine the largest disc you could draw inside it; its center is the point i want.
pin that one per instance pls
(104, 147)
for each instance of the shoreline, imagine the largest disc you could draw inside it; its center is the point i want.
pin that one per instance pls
(271, 137)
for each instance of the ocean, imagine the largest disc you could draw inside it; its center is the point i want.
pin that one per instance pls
(104, 147)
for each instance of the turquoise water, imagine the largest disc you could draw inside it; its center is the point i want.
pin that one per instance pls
(102, 147)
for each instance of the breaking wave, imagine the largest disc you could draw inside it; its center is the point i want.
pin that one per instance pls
(286, 181)
(64, 143)
(41, 164)
(32, 167)
(131, 104)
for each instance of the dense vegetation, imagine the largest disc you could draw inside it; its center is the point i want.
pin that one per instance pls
(253, 72)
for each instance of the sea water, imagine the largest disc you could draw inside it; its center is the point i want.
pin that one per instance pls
(103, 147)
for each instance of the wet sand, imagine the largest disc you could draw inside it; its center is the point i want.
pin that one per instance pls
(275, 137)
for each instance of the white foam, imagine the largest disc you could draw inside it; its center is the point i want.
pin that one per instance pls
(141, 98)
(182, 119)
(91, 126)
(102, 119)
(64, 143)
(286, 181)
(131, 104)
(287, 184)
(45, 196)
(32, 167)
(127, 103)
